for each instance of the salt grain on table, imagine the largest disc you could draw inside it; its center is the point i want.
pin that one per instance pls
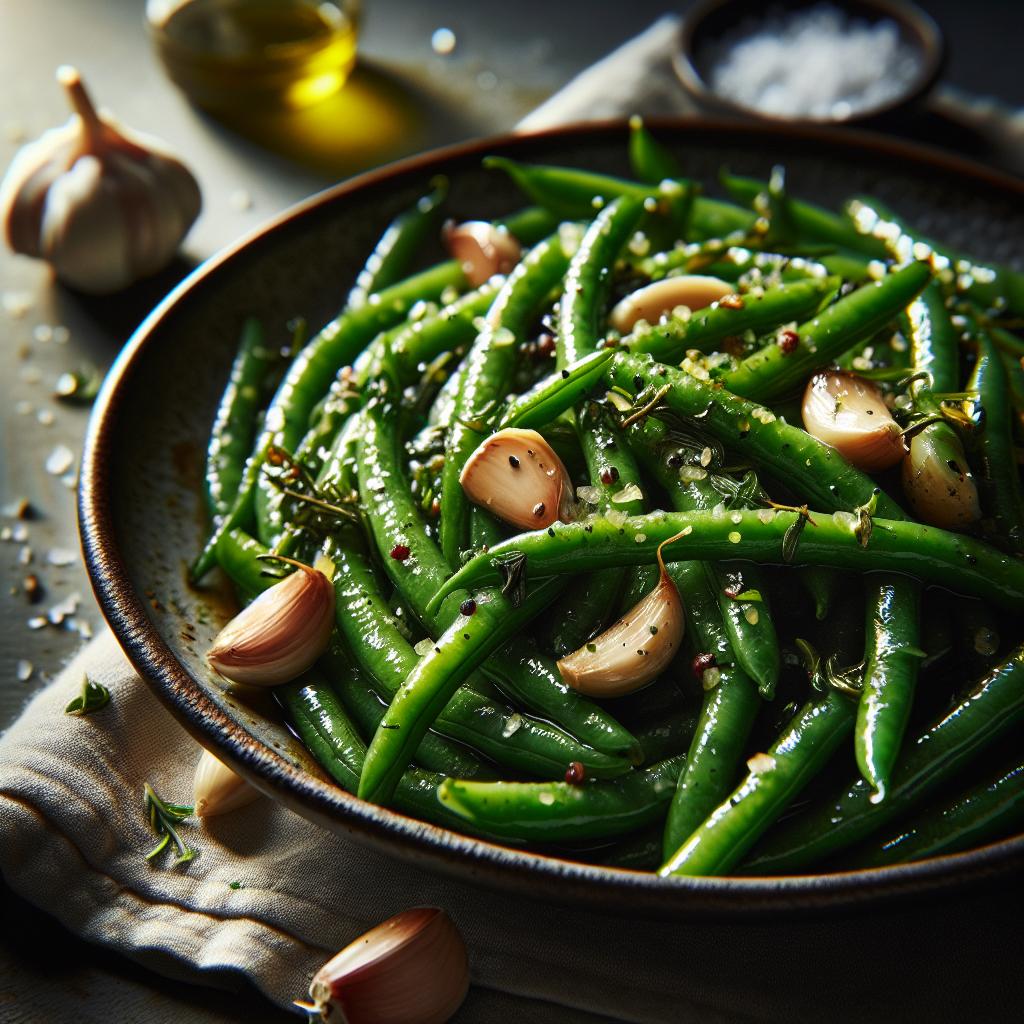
(61, 556)
(815, 63)
(60, 460)
(25, 670)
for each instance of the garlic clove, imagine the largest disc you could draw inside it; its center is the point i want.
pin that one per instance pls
(516, 475)
(411, 969)
(104, 205)
(217, 789)
(280, 634)
(848, 413)
(483, 249)
(938, 482)
(634, 650)
(654, 301)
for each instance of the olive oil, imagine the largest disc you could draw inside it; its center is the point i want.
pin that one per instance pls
(243, 54)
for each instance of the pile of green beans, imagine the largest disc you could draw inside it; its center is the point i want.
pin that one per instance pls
(851, 677)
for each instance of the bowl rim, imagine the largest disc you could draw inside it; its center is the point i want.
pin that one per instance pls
(915, 21)
(471, 860)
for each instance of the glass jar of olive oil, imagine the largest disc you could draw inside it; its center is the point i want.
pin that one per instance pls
(233, 54)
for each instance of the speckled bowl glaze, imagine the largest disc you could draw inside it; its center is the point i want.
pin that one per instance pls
(141, 509)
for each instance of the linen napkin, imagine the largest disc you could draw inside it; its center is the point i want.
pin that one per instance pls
(271, 896)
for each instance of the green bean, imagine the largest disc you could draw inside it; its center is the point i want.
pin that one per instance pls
(234, 426)
(519, 669)
(934, 341)
(572, 193)
(669, 341)
(822, 585)
(985, 812)
(515, 741)
(773, 371)
(811, 222)
(489, 368)
(310, 375)
(892, 657)
(998, 475)
(821, 476)
(397, 247)
(670, 734)
(650, 161)
(436, 677)
(993, 708)
(934, 556)
(551, 811)
(774, 780)
(986, 284)
(556, 393)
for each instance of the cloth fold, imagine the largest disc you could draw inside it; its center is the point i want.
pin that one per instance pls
(73, 835)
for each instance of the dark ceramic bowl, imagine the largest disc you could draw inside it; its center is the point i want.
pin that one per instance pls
(708, 22)
(141, 509)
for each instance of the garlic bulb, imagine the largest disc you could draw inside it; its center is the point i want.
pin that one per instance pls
(412, 969)
(636, 649)
(217, 789)
(516, 475)
(848, 413)
(280, 634)
(483, 249)
(104, 205)
(653, 301)
(937, 480)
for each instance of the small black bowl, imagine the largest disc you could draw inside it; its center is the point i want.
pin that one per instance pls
(709, 21)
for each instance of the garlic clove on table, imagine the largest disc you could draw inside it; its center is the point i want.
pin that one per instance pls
(103, 204)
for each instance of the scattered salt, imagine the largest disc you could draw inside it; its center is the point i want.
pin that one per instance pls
(443, 41)
(761, 763)
(512, 724)
(25, 670)
(629, 493)
(16, 304)
(425, 646)
(815, 63)
(60, 460)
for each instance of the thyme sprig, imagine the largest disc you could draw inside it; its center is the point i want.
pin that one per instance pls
(316, 506)
(93, 697)
(164, 817)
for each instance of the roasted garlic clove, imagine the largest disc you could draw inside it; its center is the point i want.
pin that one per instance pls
(633, 651)
(516, 475)
(412, 969)
(483, 249)
(217, 789)
(280, 634)
(653, 301)
(104, 205)
(937, 480)
(848, 413)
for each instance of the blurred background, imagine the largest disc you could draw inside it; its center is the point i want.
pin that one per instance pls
(427, 74)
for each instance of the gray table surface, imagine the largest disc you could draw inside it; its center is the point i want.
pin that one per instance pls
(402, 99)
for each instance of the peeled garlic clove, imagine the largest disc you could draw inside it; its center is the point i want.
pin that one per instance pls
(937, 480)
(412, 969)
(104, 205)
(217, 789)
(280, 634)
(516, 475)
(849, 414)
(633, 651)
(483, 249)
(654, 301)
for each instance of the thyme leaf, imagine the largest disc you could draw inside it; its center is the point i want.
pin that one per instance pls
(513, 575)
(93, 697)
(164, 817)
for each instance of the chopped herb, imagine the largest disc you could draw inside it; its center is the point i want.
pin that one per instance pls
(93, 697)
(791, 537)
(163, 817)
(513, 574)
(78, 387)
(235, 885)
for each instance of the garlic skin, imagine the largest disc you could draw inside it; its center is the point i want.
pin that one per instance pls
(938, 482)
(483, 249)
(656, 300)
(217, 789)
(103, 204)
(516, 475)
(848, 413)
(634, 650)
(280, 634)
(411, 969)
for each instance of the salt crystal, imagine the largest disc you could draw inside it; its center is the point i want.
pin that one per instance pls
(25, 670)
(38, 622)
(591, 495)
(16, 304)
(425, 646)
(761, 763)
(45, 417)
(816, 63)
(443, 41)
(628, 493)
(25, 556)
(512, 724)
(60, 460)
(61, 556)
(19, 534)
